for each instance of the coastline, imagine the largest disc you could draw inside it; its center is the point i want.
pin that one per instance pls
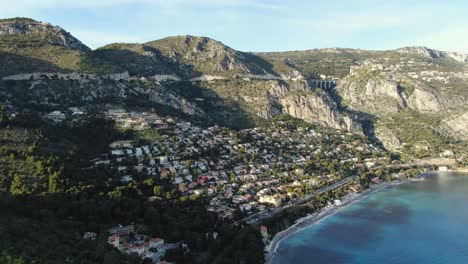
(323, 213)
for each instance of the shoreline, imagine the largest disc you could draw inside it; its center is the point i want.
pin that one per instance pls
(323, 213)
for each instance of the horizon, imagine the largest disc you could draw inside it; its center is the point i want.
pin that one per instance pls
(258, 25)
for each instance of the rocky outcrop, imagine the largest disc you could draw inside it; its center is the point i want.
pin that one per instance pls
(457, 126)
(433, 54)
(175, 101)
(381, 95)
(424, 101)
(53, 35)
(377, 96)
(387, 138)
(298, 100)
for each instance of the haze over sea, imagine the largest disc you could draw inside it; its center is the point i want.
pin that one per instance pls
(421, 222)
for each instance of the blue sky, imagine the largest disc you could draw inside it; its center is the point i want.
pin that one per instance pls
(259, 25)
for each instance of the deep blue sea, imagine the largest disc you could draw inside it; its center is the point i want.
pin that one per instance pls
(421, 222)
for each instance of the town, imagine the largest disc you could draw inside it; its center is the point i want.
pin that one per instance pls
(243, 176)
(241, 172)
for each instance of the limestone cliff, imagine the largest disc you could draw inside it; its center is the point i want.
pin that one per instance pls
(388, 138)
(298, 100)
(386, 94)
(457, 126)
(433, 54)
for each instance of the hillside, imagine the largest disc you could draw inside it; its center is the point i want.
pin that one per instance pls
(386, 89)
(205, 79)
(205, 56)
(28, 46)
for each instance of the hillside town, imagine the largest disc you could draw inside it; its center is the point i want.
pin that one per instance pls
(248, 171)
(241, 176)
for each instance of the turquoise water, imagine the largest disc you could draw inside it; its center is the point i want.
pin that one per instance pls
(422, 222)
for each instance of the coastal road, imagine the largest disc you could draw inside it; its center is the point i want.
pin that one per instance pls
(254, 218)
(425, 162)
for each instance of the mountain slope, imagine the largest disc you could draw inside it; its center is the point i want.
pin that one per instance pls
(434, 54)
(29, 46)
(401, 96)
(376, 91)
(205, 56)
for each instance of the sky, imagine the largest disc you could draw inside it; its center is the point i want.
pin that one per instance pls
(259, 25)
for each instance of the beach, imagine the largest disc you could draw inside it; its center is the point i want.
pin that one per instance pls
(329, 211)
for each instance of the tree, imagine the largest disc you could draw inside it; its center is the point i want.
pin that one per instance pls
(17, 185)
(7, 259)
(4, 119)
(55, 182)
(188, 164)
(158, 190)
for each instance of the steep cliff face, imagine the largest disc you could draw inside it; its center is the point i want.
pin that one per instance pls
(388, 139)
(412, 93)
(377, 96)
(457, 126)
(267, 98)
(381, 95)
(298, 100)
(425, 101)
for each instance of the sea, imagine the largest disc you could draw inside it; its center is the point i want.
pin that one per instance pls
(418, 222)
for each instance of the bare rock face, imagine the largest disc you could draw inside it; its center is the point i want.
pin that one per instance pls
(387, 138)
(377, 96)
(298, 100)
(175, 101)
(457, 126)
(433, 54)
(424, 101)
(381, 96)
(53, 35)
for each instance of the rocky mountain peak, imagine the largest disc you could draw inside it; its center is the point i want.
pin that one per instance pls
(45, 33)
(432, 53)
(208, 56)
(419, 50)
(192, 47)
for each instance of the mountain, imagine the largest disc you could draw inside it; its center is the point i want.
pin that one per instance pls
(27, 45)
(25, 32)
(205, 56)
(401, 96)
(431, 53)
(407, 95)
